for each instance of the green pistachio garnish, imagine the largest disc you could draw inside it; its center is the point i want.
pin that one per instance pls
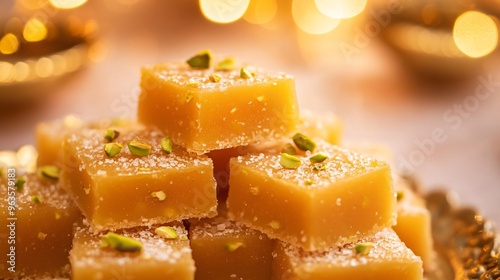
(227, 64)
(166, 145)
(111, 135)
(50, 172)
(319, 157)
(245, 73)
(160, 195)
(363, 248)
(303, 142)
(120, 243)
(112, 149)
(201, 60)
(139, 148)
(289, 161)
(233, 246)
(289, 149)
(274, 224)
(399, 195)
(20, 184)
(214, 78)
(167, 232)
(308, 182)
(320, 166)
(36, 199)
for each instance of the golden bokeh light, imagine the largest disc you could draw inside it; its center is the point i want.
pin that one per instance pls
(31, 4)
(9, 44)
(21, 71)
(475, 34)
(6, 71)
(340, 8)
(310, 20)
(261, 11)
(34, 30)
(67, 4)
(223, 11)
(98, 51)
(44, 67)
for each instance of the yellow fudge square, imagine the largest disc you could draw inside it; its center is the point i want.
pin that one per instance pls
(314, 206)
(224, 249)
(129, 190)
(50, 135)
(326, 126)
(36, 231)
(414, 223)
(202, 115)
(160, 257)
(388, 259)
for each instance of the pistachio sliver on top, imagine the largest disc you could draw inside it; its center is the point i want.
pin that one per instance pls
(139, 148)
(319, 157)
(166, 145)
(167, 232)
(363, 248)
(303, 142)
(50, 172)
(111, 135)
(245, 73)
(120, 243)
(201, 60)
(226, 64)
(289, 161)
(112, 149)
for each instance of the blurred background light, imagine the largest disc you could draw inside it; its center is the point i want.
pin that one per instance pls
(67, 4)
(9, 44)
(34, 30)
(475, 34)
(310, 20)
(261, 11)
(341, 8)
(223, 11)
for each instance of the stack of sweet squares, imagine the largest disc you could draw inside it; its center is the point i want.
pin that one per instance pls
(219, 178)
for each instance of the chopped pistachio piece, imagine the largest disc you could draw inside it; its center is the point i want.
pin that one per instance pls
(167, 232)
(233, 246)
(50, 171)
(20, 183)
(363, 248)
(303, 142)
(400, 195)
(166, 145)
(320, 166)
(214, 78)
(112, 149)
(245, 73)
(274, 224)
(201, 60)
(308, 182)
(319, 157)
(160, 195)
(289, 161)
(227, 64)
(120, 243)
(36, 199)
(111, 135)
(289, 149)
(42, 236)
(139, 148)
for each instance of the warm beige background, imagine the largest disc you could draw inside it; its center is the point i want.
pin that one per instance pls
(374, 93)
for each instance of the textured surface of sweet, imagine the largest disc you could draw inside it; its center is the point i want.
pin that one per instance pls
(224, 249)
(316, 205)
(160, 258)
(414, 223)
(204, 115)
(50, 135)
(40, 220)
(129, 190)
(388, 258)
